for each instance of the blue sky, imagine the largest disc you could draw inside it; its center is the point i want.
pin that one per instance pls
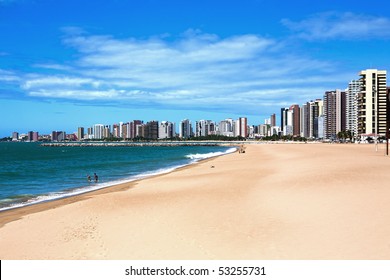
(65, 64)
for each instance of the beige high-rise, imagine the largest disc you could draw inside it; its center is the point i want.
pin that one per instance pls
(372, 102)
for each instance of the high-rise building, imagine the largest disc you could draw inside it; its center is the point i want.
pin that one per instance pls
(296, 119)
(372, 102)
(388, 113)
(315, 110)
(334, 113)
(166, 130)
(125, 130)
(273, 120)
(203, 128)
(107, 131)
(287, 120)
(98, 131)
(32, 136)
(117, 130)
(226, 127)
(242, 127)
(15, 136)
(134, 128)
(351, 106)
(151, 130)
(263, 130)
(304, 118)
(185, 130)
(57, 136)
(283, 119)
(80, 133)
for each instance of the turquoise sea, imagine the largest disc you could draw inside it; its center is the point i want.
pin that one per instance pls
(30, 173)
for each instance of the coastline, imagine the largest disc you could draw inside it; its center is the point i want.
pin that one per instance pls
(271, 202)
(16, 213)
(72, 185)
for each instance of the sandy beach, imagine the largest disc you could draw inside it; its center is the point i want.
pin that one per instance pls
(275, 201)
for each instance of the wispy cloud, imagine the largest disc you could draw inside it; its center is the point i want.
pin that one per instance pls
(199, 71)
(53, 66)
(8, 76)
(335, 25)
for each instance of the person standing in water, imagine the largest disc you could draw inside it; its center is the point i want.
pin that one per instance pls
(89, 178)
(96, 177)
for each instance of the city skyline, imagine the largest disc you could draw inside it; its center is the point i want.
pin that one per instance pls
(65, 64)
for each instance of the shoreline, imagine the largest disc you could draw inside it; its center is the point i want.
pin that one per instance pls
(78, 190)
(13, 214)
(16, 213)
(271, 202)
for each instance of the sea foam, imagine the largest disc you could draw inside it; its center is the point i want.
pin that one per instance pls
(197, 157)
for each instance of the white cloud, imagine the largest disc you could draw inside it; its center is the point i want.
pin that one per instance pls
(203, 71)
(53, 66)
(59, 82)
(8, 76)
(334, 25)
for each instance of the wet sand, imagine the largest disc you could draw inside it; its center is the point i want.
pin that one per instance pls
(275, 201)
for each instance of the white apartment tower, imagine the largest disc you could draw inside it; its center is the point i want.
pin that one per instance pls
(98, 131)
(351, 107)
(203, 128)
(372, 102)
(166, 130)
(226, 127)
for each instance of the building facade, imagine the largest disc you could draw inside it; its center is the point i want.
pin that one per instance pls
(166, 130)
(351, 107)
(334, 113)
(203, 128)
(372, 102)
(80, 133)
(185, 130)
(295, 119)
(242, 127)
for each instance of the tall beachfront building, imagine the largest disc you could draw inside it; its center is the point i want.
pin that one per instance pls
(204, 128)
(185, 130)
(32, 136)
(58, 136)
(150, 130)
(304, 120)
(226, 127)
(283, 120)
(134, 128)
(273, 120)
(242, 127)
(334, 113)
(290, 120)
(98, 131)
(296, 119)
(311, 119)
(80, 133)
(286, 121)
(351, 107)
(166, 130)
(15, 136)
(372, 102)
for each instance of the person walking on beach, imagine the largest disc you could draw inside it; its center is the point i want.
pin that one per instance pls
(96, 177)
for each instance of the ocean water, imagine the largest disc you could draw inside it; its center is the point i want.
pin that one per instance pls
(30, 173)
